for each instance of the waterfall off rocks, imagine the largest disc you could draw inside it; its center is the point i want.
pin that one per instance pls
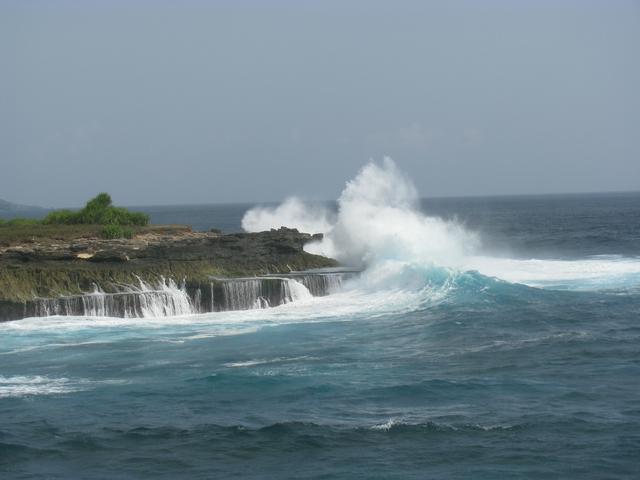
(167, 298)
(54, 272)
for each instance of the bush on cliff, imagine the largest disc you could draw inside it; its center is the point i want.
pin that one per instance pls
(97, 211)
(61, 217)
(116, 231)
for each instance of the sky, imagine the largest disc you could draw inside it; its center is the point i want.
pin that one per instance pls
(160, 102)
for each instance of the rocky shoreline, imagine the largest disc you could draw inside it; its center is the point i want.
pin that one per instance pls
(48, 269)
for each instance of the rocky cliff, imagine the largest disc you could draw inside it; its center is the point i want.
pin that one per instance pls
(51, 268)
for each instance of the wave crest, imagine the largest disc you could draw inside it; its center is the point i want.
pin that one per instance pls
(379, 227)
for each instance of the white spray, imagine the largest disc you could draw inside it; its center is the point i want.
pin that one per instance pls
(378, 226)
(292, 213)
(378, 220)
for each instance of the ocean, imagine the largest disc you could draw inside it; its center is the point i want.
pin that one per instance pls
(519, 359)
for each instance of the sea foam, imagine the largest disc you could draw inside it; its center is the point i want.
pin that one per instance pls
(380, 228)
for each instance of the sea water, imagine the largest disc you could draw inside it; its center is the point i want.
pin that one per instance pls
(518, 359)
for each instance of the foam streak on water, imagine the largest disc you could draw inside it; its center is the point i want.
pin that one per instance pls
(593, 273)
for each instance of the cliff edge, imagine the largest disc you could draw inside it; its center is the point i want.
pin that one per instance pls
(72, 263)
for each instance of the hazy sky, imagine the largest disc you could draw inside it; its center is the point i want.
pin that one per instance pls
(162, 102)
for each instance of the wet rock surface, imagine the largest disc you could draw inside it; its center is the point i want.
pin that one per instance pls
(52, 269)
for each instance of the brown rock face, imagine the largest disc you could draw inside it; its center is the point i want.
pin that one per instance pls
(53, 268)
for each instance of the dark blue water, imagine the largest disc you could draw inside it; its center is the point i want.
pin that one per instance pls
(201, 217)
(463, 376)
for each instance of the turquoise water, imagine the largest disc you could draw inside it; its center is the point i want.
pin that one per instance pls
(525, 366)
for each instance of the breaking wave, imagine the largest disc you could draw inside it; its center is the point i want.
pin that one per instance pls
(380, 228)
(408, 261)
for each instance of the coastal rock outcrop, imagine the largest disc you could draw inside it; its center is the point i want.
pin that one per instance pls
(54, 268)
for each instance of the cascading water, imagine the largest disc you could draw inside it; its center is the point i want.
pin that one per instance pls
(264, 292)
(245, 294)
(167, 298)
(321, 284)
(294, 291)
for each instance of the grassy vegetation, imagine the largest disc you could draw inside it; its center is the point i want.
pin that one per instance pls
(116, 231)
(19, 222)
(98, 218)
(97, 211)
(29, 233)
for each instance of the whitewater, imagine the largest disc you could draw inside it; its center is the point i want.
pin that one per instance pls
(481, 339)
(380, 227)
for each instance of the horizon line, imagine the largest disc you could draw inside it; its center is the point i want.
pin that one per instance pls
(421, 197)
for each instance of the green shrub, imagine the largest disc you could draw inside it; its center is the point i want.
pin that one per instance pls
(98, 211)
(2, 222)
(138, 218)
(95, 209)
(111, 231)
(116, 231)
(99, 202)
(64, 217)
(111, 216)
(121, 216)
